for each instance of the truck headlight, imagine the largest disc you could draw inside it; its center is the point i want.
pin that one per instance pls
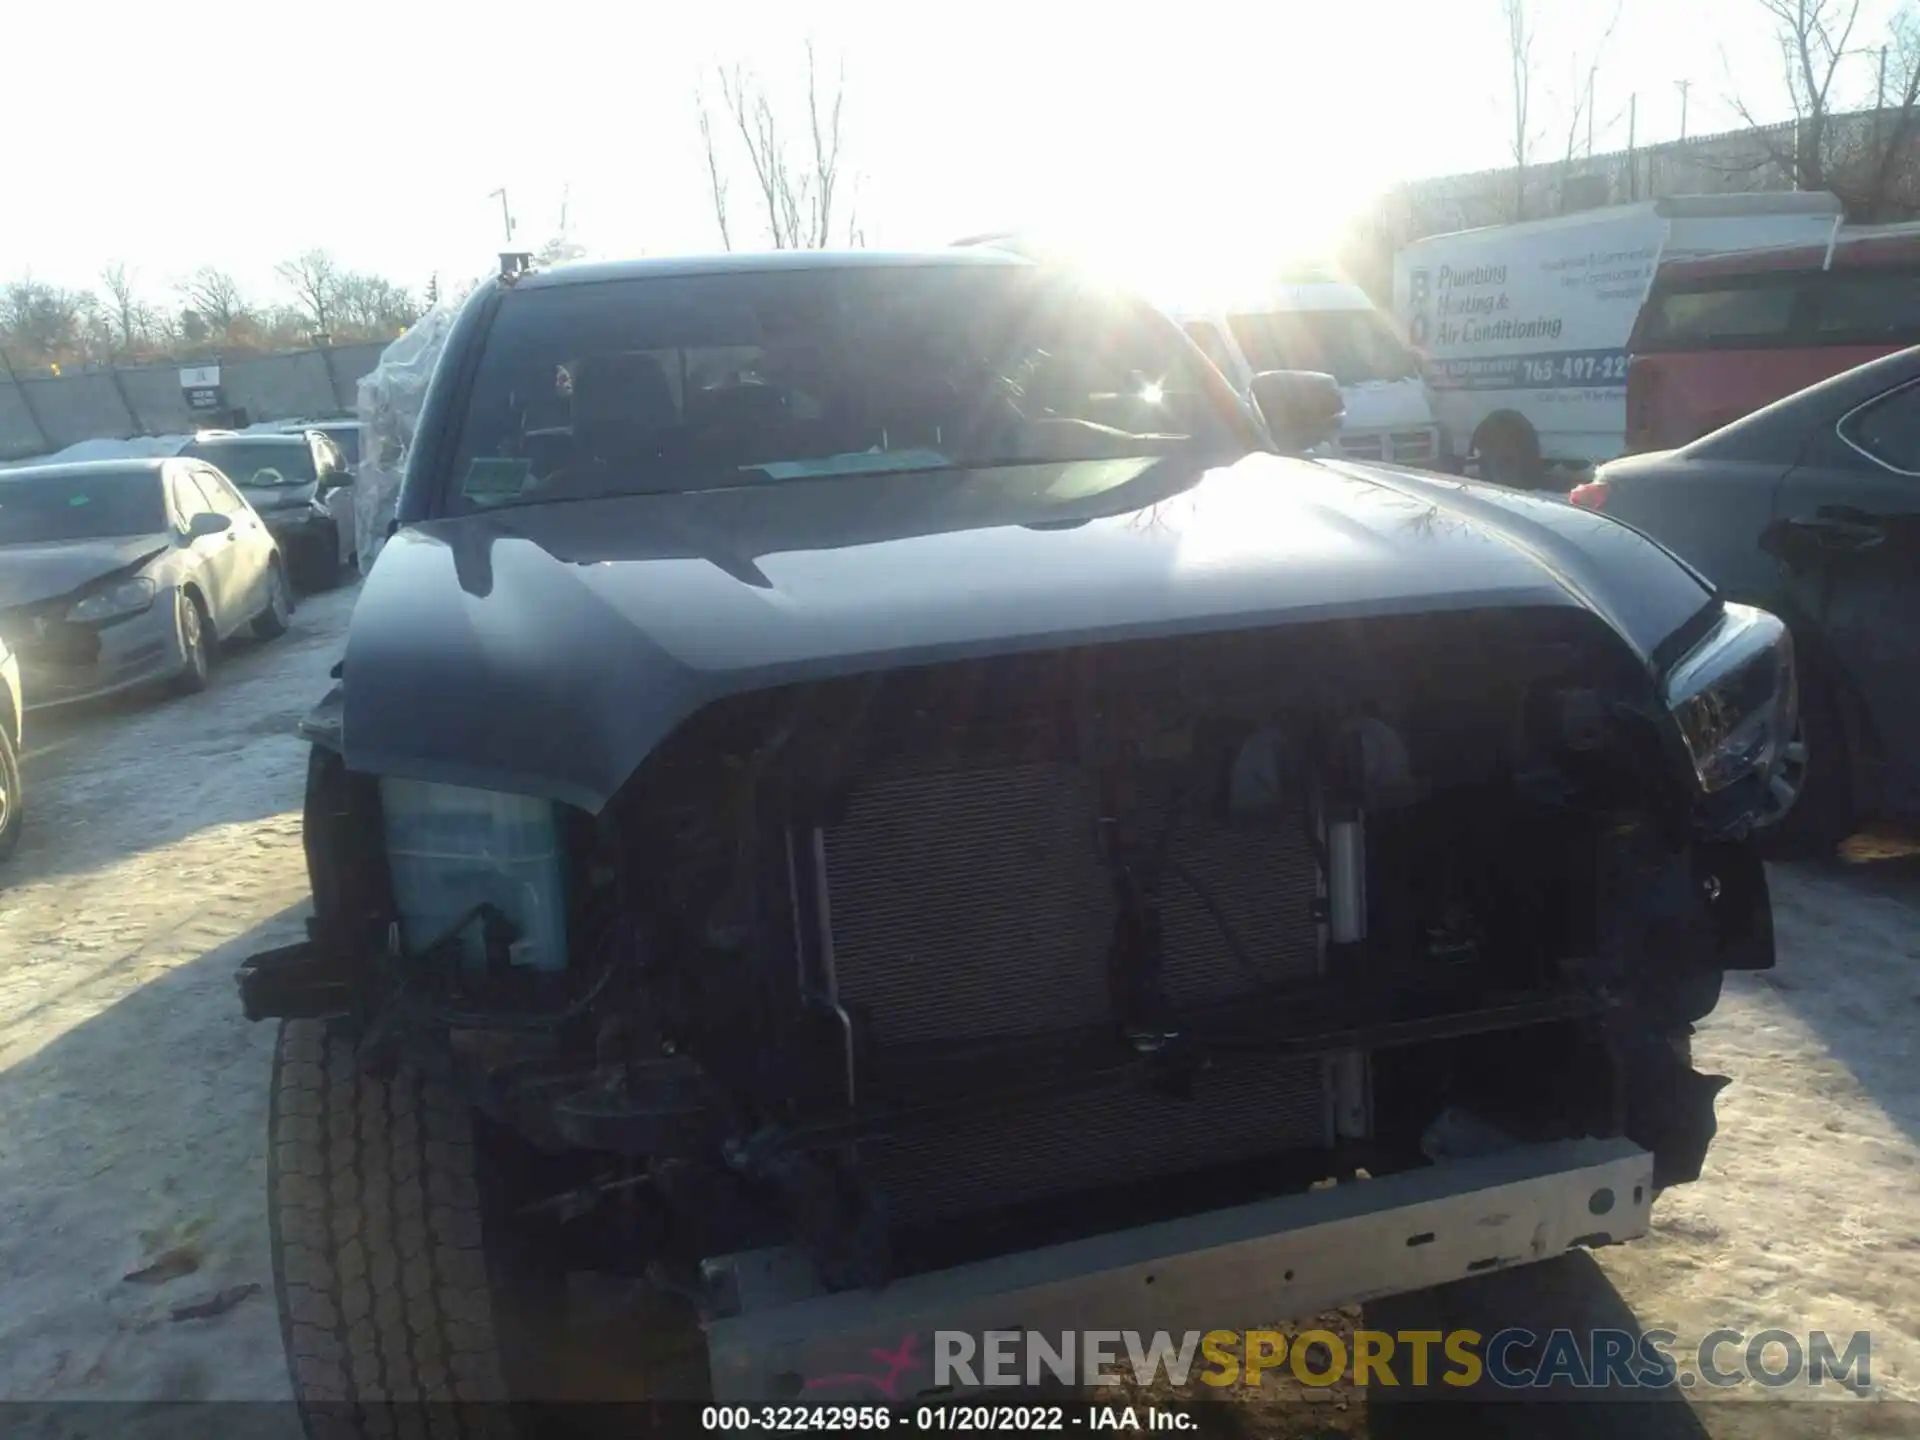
(129, 597)
(1734, 698)
(451, 848)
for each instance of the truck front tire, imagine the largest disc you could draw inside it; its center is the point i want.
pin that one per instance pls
(1509, 452)
(379, 1267)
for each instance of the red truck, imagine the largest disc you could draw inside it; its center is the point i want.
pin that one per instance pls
(1723, 335)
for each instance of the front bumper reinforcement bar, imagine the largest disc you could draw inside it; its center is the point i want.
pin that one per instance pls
(775, 1337)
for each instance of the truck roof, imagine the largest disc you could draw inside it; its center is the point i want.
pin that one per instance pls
(682, 266)
(1672, 207)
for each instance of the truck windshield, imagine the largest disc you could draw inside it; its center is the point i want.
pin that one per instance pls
(641, 385)
(1353, 346)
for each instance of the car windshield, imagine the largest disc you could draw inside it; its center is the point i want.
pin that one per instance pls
(1353, 346)
(88, 505)
(703, 382)
(258, 464)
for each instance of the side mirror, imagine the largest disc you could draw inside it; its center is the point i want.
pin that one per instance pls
(208, 522)
(335, 480)
(1303, 408)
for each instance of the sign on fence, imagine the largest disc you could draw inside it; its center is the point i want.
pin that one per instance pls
(200, 384)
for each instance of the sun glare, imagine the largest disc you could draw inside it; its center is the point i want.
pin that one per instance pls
(1229, 258)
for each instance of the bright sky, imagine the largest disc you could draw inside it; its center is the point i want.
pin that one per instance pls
(237, 134)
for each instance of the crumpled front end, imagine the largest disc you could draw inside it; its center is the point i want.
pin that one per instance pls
(64, 659)
(898, 972)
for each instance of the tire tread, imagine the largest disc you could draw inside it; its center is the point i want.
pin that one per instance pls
(385, 1307)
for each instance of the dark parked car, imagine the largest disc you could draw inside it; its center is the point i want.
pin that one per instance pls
(1811, 508)
(123, 573)
(345, 434)
(300, 484)
(865, 792)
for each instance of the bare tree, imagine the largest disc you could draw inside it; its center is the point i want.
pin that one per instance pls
(716, 182)
(1883, 183)
(214, 296)
(43, 320)
(314, 278)
(799, 186)
(746, 101)
(824, 125)
(1813, 37)
(129, 320)
(373, 306)
(1520, 73)
(1868, 159)
(1586, 70)
(1578, 111)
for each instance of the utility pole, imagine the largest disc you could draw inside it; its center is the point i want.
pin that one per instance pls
(1683, 86)
(506, 215)
(1633, 160)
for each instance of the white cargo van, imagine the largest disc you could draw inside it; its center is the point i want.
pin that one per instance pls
(1331, 326)
(1523, 328)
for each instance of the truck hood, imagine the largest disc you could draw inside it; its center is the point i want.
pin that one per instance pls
(546, 649)
(44, 571)
(1386, 405)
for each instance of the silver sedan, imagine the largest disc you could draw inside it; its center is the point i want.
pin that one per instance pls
(123, 573)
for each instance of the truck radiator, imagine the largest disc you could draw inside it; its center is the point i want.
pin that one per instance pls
(974, 903)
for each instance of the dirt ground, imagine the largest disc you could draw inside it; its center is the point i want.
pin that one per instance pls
(162, 847)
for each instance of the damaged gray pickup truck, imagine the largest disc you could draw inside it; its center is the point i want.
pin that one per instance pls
(874, 794)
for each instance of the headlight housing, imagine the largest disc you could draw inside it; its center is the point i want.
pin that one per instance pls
(116, 602)
(451, 848)
(1735, 699)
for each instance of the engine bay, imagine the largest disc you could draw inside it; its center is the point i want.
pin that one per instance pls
(937, 963)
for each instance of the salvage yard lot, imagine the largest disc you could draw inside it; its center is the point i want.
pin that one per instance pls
(163, 846)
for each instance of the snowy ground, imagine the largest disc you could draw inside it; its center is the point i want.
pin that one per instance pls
(163, 847)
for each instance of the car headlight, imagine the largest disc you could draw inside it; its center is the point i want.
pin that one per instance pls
(129, 597)
(1734, 697)
(451, 848)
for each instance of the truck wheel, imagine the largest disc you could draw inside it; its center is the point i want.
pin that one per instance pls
(1509, 453)
(378, 1263)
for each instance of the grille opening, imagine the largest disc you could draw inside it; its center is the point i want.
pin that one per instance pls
(972, 911)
